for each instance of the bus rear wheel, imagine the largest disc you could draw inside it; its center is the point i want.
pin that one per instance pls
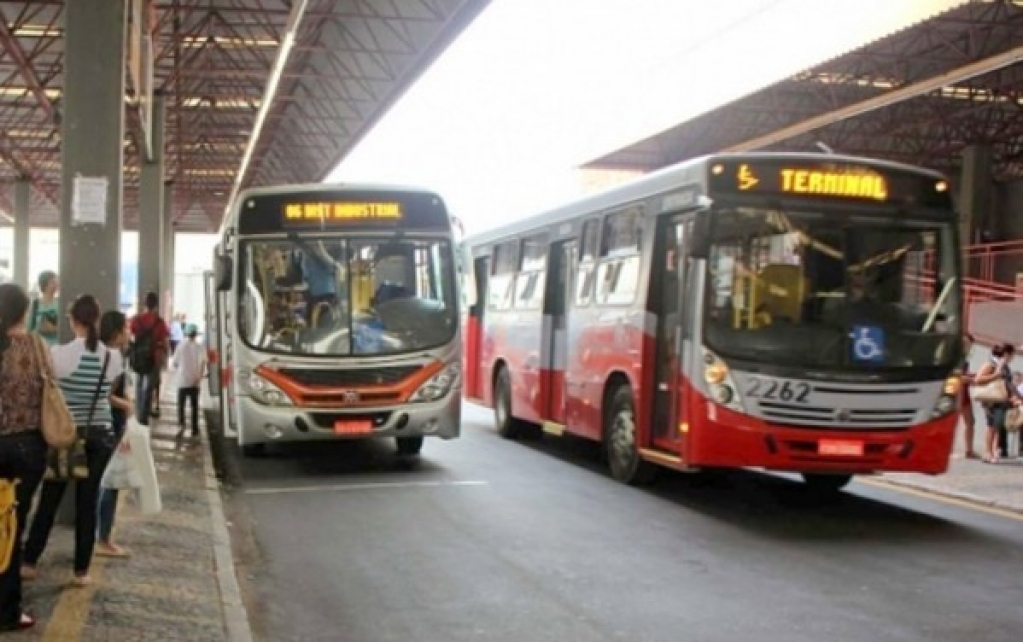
(507, 426)
(621, 443)
(409, 446)
(826, 482)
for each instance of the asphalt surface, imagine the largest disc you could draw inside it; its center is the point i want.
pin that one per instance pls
(485, 539)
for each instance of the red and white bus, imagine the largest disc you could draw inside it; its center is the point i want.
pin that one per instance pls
(792, 312)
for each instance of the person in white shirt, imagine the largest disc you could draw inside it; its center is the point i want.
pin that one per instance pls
(190, 363)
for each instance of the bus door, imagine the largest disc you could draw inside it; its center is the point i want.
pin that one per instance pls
(474, 380)
(673, 351)
(212, 335)
(564, 258)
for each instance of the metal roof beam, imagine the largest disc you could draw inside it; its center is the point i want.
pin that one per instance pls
(10, 45)
(928, 85)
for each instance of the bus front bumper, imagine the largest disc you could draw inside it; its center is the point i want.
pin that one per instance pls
(259, 423)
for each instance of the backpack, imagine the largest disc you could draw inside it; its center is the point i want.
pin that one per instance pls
(141, 354)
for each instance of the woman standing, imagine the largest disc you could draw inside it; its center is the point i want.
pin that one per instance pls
(23, 361)
(84, 372)
(113, 332)
(997, 368)
(965, 401)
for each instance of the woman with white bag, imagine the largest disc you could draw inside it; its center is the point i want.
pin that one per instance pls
(994, 390)
(113, 332)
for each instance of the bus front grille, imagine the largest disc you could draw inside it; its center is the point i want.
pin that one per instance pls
(852, 418)
(384, 376)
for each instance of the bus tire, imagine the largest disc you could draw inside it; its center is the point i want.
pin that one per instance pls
(826, 482)
(253, 450)
(409, 446)
(620, 443)
(507, 426)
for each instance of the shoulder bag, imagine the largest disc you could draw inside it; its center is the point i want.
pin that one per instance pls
(56, 422)
(72, 462)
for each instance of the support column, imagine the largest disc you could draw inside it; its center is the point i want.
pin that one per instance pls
(975, 194)
(150, 215)
(92, 137)
(22, 226)
(167, 272)
(92, 142)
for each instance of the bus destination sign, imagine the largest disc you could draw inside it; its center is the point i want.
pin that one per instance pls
(340, 211)
(839, 182)
(829, 180)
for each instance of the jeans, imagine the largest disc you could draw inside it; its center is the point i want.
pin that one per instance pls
(106, 512)
(146, 386)
(190, 394)
(100, 442)
(22, 456)
(107, 508)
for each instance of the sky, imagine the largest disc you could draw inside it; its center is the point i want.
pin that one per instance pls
(533, 89)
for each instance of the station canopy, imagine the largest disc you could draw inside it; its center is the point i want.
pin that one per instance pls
(919, 96)
(213, 61)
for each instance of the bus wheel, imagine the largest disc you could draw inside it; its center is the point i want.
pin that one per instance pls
(507, 426)
(620, 441)
(409, 445)
(253, 450)
(825, 482)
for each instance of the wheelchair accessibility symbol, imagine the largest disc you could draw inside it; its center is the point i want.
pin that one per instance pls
(867, 343)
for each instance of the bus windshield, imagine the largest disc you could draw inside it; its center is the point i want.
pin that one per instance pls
(809, 289)
(334, 296)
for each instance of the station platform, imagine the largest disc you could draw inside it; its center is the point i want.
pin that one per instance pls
(997, 485)
(179, 582)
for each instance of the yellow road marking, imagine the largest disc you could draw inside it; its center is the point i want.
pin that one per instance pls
(938, 497)
(71, 612)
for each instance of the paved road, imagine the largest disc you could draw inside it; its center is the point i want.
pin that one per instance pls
(490, 540)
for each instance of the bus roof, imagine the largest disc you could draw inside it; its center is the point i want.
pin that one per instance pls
(667, 179)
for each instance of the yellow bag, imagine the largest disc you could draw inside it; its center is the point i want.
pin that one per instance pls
(8, 520)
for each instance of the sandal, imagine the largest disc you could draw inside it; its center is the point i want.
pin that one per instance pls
(25, 621)
(81, 581)
(111, 550)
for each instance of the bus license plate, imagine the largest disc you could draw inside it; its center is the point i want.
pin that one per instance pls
(353, 426)
(840, 448)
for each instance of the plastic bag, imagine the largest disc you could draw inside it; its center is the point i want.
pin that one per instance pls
(141, 457)
(121, 473)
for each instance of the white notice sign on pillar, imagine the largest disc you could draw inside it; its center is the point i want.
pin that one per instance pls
(89, 201)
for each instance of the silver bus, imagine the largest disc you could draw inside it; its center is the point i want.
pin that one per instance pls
(333, 313)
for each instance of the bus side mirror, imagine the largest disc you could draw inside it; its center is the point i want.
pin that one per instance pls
(222, 272)
(699, 242)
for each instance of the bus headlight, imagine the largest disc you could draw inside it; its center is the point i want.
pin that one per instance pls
(947, 401)
(262, 390)
(438, 385)
(720, 384)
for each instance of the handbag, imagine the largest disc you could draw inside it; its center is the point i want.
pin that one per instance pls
(72, 462)
(56, 422)
(1014, 419)
(990, 392)
(8, 520)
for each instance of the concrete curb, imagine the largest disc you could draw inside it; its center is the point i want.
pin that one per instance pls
(952, 494)
(236, 618)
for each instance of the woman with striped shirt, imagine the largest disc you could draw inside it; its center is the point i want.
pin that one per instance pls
(78, 367)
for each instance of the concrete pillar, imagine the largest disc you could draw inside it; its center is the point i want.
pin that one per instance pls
(92, 137)
(92, 142)
(150, 215)
(22, 212)
(975, 194)
(167, 270)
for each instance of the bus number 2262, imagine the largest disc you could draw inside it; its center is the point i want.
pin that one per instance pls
(774, 389)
